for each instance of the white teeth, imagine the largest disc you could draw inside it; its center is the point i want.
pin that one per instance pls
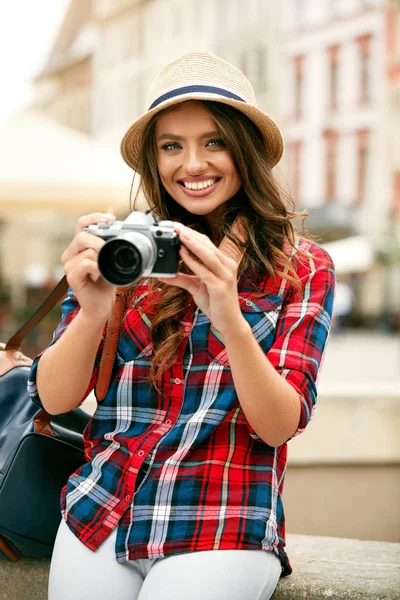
(201, 185)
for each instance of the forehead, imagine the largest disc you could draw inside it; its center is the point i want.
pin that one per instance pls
(187, 115)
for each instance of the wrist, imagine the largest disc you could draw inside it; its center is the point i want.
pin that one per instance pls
(236, 332)
(91, 320)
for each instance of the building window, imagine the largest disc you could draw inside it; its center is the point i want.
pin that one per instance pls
(396, 195)
(364, 48)
(244, 64)
(331, 142)
(298, 12)
(393, 34)
(133, 34)
(369, 3)
(261, 69)
(332, 8)
(362, 164)
(333, 54)
(295, 167)
(222, 13)
(299, 84)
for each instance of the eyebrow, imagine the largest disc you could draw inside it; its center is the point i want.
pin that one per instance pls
(170, 136)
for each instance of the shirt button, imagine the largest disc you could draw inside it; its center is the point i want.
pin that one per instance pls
(249, 303)
(140, 453)
(127, 497)
(177, 381)
(168, 422)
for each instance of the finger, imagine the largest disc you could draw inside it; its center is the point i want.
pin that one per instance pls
(197, 267)
(78, 276)
(228, 253)
(191, 283)
(94, 218)
(78, 258)
(227, 248)
(82, 241)
(193, 234)
(206, 254)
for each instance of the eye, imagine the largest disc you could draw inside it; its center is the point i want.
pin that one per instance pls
(216, 142)
(170, 146)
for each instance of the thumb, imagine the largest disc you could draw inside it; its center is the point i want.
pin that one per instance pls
(111, 210)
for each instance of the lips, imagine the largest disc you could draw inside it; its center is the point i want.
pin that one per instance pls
(196, 193)
(198, 183)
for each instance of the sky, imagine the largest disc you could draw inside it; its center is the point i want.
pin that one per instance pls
(27, 32)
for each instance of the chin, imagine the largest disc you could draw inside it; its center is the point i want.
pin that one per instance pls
(203, 212)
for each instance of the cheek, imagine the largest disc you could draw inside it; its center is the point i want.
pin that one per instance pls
(230, 169)
(235, 177)
(164, 169)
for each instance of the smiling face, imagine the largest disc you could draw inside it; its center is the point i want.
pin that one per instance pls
(195, 167)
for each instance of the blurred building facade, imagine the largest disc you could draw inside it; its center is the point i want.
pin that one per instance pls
(64, 86)
(137, 38)
(325, 70)
(393, 74)
(338, 120)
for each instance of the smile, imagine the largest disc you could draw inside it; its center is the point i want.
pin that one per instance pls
(199, 188)
(199, 185)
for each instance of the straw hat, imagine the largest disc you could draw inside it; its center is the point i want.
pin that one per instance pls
(201, 76)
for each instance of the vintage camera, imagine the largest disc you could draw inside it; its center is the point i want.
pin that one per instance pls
(139, 246)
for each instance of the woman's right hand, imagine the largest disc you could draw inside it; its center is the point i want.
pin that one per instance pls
(95, 296)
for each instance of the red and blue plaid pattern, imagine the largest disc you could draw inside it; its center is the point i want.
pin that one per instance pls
(180, 469)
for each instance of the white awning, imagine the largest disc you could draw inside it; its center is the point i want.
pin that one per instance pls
(351, 255)
(44, 165)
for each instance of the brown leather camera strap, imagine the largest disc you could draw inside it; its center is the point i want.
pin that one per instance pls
(16, 358)
(9, 549)
(110, 345)
(55, 295)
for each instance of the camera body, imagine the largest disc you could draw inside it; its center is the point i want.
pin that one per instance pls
(137, 247)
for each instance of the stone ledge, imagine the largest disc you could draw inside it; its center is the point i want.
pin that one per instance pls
(326, 567)
(323, 568)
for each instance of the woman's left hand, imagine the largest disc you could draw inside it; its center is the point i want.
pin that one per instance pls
(213, 284)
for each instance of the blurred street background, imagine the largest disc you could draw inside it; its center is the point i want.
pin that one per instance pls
(328, 71)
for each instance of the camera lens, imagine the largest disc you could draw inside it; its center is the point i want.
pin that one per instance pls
(120, 262)
(126, 258)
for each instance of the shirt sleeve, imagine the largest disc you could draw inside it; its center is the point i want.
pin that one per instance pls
(69, 310)
(302, 330)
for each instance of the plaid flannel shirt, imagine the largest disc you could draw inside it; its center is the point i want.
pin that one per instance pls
(181, 470)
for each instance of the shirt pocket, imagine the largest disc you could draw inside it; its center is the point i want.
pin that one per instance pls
(134, 341)
(261, 313)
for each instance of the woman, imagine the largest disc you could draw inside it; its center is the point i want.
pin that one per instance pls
(216, 367)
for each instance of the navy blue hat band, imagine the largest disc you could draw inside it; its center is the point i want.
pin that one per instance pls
(193, 89)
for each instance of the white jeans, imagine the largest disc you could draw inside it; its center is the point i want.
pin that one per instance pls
(77, 573)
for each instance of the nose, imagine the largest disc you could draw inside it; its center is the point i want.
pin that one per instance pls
(195, 161)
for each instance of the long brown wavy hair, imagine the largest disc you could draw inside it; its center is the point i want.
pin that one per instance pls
(266, 213)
